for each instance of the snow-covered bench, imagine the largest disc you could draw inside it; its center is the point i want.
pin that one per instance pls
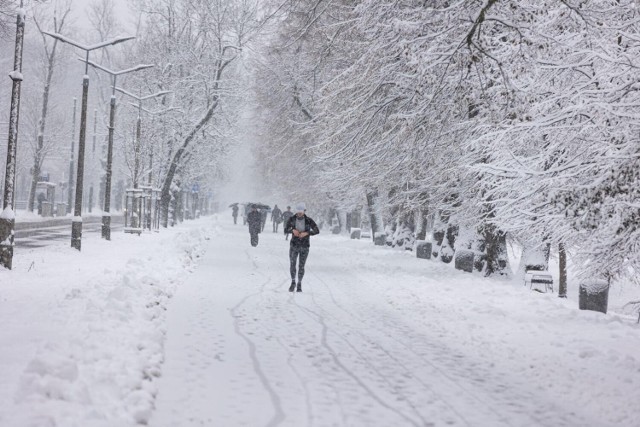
(539, 277)
(635, 305)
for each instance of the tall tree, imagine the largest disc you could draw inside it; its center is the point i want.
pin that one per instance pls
(60, 14)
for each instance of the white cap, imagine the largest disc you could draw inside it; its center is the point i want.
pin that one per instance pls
(300, 207)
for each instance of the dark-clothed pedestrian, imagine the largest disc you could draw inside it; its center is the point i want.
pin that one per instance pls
(254, 219)
(285, 219)
(234, 212)
(302, 227)
(276, 218)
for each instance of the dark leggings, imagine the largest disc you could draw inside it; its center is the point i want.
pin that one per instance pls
(302, 253)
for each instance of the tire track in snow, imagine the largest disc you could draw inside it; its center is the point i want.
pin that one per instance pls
(372, 366)
(305, 385)
(279, 415)
(518, 395)
(336, 360)
(515, 405)
(393, 337)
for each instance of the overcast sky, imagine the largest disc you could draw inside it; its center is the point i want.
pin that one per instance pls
(123, 12)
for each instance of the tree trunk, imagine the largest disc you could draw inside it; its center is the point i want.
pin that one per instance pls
(562, 258)
(39, 155)
(496, 249)
(165, 197)
(423, 219)
(372, 204)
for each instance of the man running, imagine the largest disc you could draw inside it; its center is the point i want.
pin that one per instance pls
(301, 226)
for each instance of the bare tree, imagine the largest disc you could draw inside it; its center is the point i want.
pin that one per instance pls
(50, 50)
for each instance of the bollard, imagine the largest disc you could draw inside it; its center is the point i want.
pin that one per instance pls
(380, 240)
(423, 249)
(355, 233)
(464, 260)
(594, 295)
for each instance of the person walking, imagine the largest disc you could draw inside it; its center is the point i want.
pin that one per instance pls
(276, 218)
(234, 210)
(285, 219)
(302, 227)
(254, 219)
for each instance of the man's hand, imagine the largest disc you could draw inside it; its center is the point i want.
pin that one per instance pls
(296, 233)
(303, 234)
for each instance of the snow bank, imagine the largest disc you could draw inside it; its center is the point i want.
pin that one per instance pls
(102, 316)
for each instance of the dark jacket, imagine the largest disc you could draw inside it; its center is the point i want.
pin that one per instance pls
(276, 215)
(309, 226)
(254, 219)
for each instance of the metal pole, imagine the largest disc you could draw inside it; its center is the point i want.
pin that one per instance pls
(106, 217)
(7, 216)
(93, 154)
(71, 166)
(76, 222)
(136, 161)
(95, 131)
(150, 179)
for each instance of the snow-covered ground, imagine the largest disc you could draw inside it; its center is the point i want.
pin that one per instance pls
(377, 338)
(82, 332)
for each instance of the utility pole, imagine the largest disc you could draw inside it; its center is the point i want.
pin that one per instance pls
(106, 217)
(7, 216)
(76, 223)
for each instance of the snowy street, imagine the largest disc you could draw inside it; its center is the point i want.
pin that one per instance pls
(380, 338)
(462, 179)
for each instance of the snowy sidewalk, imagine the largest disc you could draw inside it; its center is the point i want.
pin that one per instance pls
(380, 338)
(82, 332)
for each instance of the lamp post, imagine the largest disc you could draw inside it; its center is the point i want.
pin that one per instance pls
(151, 194)
(136, 160)
(7, 216)
(154, 113)
(76, 223)
(106, 217)
(73, 142)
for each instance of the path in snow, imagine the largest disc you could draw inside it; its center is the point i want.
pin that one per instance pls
(379, 338)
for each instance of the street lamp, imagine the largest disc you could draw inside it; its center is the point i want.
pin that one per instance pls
(151, 194)
(153, 114)
(136, 162)
(106, 217)
(73, 142)
(76, 223)
(7, 216)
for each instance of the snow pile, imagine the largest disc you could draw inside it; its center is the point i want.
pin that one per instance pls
(97, 366)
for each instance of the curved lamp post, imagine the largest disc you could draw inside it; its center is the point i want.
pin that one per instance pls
(106, 217)
(7, 214)
(76, 223)
(136, 162)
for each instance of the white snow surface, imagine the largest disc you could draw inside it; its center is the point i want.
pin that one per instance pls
(193, 326)
(8, 213)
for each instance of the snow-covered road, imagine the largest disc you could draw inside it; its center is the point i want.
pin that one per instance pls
(380, 338)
